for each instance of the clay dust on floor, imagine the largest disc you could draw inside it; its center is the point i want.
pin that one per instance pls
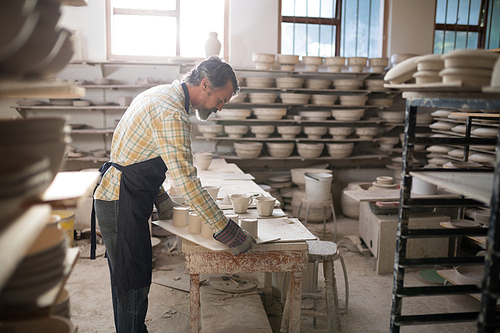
(369, 299)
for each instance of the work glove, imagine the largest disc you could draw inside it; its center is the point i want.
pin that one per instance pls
(165, 206)
(238, 240)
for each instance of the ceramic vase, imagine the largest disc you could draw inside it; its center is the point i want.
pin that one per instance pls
(212, 45)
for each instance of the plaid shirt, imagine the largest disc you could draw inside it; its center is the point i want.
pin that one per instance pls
(156, 124)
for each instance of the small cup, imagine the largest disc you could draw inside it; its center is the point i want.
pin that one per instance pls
(206, 232)
(194, 225)
(203, 160)
(251, 225)
(181, 216)
(297, 117)
(213, 191)
(240, 203)
(265, 205)
(232, 216)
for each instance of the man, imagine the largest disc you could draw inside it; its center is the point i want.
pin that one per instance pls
(152, 137)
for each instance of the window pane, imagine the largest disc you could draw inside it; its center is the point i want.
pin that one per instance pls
(438, 41)
(460, 42)
(440, 11)
(300, 8)
(451, 16)
(132, 35)
(463, 11)
(327, 48)
(287, 8)
(313, 8)
(493, 26)
(449, 41)
(376, 33)
(300, 39)
(472, 40)
(313, 40)
(327, 9)
(196, 24)
(475, 9)
(287, 38)
(145, 4)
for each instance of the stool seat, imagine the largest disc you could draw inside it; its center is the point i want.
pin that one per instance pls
(324, 204)
(322, 250)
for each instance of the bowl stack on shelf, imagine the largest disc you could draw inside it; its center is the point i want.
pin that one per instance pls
(263, 61)
(311, 64)
(428, 68)
(288, 62)
(262, 131)
(235, 131)
(470, 67)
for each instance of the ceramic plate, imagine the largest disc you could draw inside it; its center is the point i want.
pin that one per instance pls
(466, 165)
(456, 153)
(441, 125)
(482, 158)
(469, 274)
(486, 132)
(439, 149)
(464, 224)
(441, 113)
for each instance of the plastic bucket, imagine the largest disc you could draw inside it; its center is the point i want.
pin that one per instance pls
(67, 223)
(318, 186)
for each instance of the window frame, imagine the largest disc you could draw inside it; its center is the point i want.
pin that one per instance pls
(110, 11)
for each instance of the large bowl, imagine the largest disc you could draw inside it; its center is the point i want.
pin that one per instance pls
(210, 130)
(378, 62)
(353, 100)
(347, 84)
(308, 60)
(470, 59)
(264, 98)
(259, 82)
(348, 115)
(269, 113)
(234, 114)
(340, 150)
(318, 99)
(235, 131)
(339, 133)
(318, 84)
(392, 116)
(288, 59)
(310, 150)
(263, 57)
(289, 132)
(262, 131)
(289, 82)
(335, 61)
(366, 133)
(315, 132)
(291, 98)
(280, 149)
(248, 149)
(357, 61)
(315, 115)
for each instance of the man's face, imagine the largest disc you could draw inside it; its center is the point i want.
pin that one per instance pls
(214, 100)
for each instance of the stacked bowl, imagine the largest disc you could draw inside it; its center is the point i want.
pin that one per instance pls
(289, 82)
(378, 65)
(263, 61)
(235, 131)
(310, 150)
(269, 113)
(471, 67)
(259, 82)
(210, 130)
(288, 62)
(262, 98)
(347, 84)
(366, 133)
(353, 100)
(318, 99)
(339, 133)
(356, 64)
(315, 115)
(291, 98)
(315, 132)
(248, 149)
(262, 131)
(318, 84)
(289, 132)
(348, 115)
(335, 64)
(280, 149)
(311, 63)
(428, 68)
(340, 150)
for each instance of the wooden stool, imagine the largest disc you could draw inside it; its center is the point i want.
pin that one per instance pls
(324, 204)
(327, 253)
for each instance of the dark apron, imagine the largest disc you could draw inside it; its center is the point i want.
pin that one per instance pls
(139, 186)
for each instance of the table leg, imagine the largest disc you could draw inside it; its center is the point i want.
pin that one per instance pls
(295, 300)
(194, 307)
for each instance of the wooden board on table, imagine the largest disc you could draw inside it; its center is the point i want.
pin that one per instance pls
(236, 176)
(253, 214)
(68, 188)
(435, 86)
(392, 195)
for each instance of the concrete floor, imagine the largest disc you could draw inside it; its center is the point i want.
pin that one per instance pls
(369, 301)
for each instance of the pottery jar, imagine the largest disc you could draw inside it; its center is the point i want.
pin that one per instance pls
(212, 45)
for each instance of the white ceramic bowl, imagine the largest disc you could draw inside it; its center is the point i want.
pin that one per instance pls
(234, 114)
(269, 113)
(210, 130)
(289, 82)
(353, 100)
(374, 84)
(311, 68)
(318, 84)
(356, 69)
(318, 99)
(366, 133)
(470, 76)
(281, 149)
(235, 131)
(335, 69)
(263, 57)
(378, 62)
(288, 59)
(340, 150)
(339, 133)
(289, 132)
(348, 115)
(422, 77)
(287, 67)
(310, 150)
(347, 84)
(315, 132)
(315, 115)
(357, 61)
(335, 61)
(308, 60)
(240, 98)
(469, 58)
(259, 82)
(392, 116)
(262, 131)
(248, 149)
(264, 98)
(430, 62)
(291, 98)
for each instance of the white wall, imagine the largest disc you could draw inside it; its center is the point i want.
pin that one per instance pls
(411, 26)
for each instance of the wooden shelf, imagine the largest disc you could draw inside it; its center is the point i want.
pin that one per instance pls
(119, 86)
(88, 158)
(105, 131)
(70, 107)
(39, 89)
(18, 236)
(321, 158)
(292, 121)
(81, 185)
(280, 139)
(475, 185)
(283, 105)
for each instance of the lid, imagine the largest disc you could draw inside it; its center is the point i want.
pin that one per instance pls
(465, 71)
(470, 53)
(430, 58)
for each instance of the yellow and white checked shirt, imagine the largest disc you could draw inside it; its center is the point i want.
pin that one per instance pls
(156, 124)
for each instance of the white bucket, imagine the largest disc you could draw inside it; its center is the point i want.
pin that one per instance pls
(318, 186)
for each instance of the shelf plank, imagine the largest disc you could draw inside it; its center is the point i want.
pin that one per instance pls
(17, 238)
(39, 89)
(119, 86)
(272, 139)
(70, 107)
(93, 131)
(80, 184)
(475, 185)
(315, 106)
(293, 121)
(321, 158)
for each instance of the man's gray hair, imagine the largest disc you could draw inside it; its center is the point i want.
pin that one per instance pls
(217, 71)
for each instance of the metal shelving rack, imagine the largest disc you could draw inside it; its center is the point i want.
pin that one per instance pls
(460, 181)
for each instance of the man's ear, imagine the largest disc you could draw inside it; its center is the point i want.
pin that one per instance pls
(204, 85)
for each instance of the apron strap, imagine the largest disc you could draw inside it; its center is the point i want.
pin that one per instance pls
(186, 97)
(93, 241)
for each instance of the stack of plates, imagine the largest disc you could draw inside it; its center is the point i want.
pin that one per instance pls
(482, 216)
(42, 268)
(32, 44)
(62, 101)
(34, 138)
(30, 102)
(470, 67)
(20, 180)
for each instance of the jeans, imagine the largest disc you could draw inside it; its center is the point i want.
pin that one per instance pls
(129, 305)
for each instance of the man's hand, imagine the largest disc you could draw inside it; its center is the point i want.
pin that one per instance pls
(165, 206)
(238, 240)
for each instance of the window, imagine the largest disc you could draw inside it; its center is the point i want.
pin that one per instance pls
(328, 28)
(158, 29)
(466, 24)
